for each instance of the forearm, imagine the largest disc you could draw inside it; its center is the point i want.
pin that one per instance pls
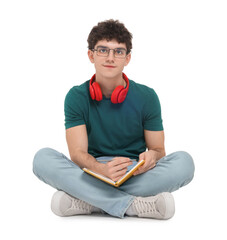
(85, 160)
(159, 153)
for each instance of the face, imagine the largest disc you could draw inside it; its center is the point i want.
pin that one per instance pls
(109, 66)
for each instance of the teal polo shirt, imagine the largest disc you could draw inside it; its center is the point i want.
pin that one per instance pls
(114, 129)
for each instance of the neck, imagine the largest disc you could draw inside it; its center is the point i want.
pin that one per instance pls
(109, 84)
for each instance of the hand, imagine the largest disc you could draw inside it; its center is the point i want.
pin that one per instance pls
(150, 158)
(116, 168)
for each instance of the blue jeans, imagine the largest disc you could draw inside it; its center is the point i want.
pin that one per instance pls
(170, 173)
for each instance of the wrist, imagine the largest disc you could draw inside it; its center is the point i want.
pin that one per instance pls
(157, 153)
(99, 167)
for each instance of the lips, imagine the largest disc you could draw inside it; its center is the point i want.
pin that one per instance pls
(109, 66)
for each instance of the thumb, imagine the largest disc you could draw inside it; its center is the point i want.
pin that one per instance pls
(142, 156)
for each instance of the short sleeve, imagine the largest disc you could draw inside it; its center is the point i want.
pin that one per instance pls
(73, 109)
(152, 119)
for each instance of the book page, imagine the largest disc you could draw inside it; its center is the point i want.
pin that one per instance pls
(99, 176)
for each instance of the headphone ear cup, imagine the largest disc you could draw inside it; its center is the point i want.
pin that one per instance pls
(122, 95)
(92, 92)
(118, 94)
(97, 91)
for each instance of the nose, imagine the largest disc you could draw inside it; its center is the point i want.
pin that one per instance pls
(110, 57)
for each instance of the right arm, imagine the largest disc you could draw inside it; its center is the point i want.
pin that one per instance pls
(77, 141)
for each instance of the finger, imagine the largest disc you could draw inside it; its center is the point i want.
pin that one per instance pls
(122, 166)
(120, 160)
(142, 156)
(137, 172)
(140, 170)
(119, 174)
(153, 165)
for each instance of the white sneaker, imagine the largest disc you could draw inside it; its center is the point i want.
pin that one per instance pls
(64, 205)
(160, 206)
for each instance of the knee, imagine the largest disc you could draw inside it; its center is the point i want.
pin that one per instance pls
(41, 158)
(185, 165)
(186, 160)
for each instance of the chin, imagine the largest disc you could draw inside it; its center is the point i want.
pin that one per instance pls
(109, 74)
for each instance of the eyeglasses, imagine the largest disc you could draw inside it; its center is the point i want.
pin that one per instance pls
(104, 52)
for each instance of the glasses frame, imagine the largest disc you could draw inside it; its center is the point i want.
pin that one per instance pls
(108, 51)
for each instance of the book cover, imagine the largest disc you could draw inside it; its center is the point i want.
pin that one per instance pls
(121, 180)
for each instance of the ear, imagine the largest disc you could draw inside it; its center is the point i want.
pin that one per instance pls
(91, 56)
(127, 59)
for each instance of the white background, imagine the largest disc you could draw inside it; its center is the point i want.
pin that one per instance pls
(179, 49)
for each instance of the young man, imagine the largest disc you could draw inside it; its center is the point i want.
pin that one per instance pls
(110, 121)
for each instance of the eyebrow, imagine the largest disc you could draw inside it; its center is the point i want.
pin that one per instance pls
(109, 48)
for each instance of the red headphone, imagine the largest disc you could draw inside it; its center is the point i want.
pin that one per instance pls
(118, 95)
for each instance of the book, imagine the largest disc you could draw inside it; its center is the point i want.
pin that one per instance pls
(121, 180)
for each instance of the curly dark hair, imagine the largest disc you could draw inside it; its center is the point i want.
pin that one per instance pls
(110, 30)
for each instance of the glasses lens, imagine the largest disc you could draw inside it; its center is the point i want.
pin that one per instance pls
(102, 51)
(120, 53)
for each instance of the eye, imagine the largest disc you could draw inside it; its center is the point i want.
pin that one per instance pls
(120, 52)
(102, 50)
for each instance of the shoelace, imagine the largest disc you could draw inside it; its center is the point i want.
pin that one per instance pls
(80, 205)
(143, 206)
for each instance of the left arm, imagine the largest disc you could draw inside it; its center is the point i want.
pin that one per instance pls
(156, 150)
